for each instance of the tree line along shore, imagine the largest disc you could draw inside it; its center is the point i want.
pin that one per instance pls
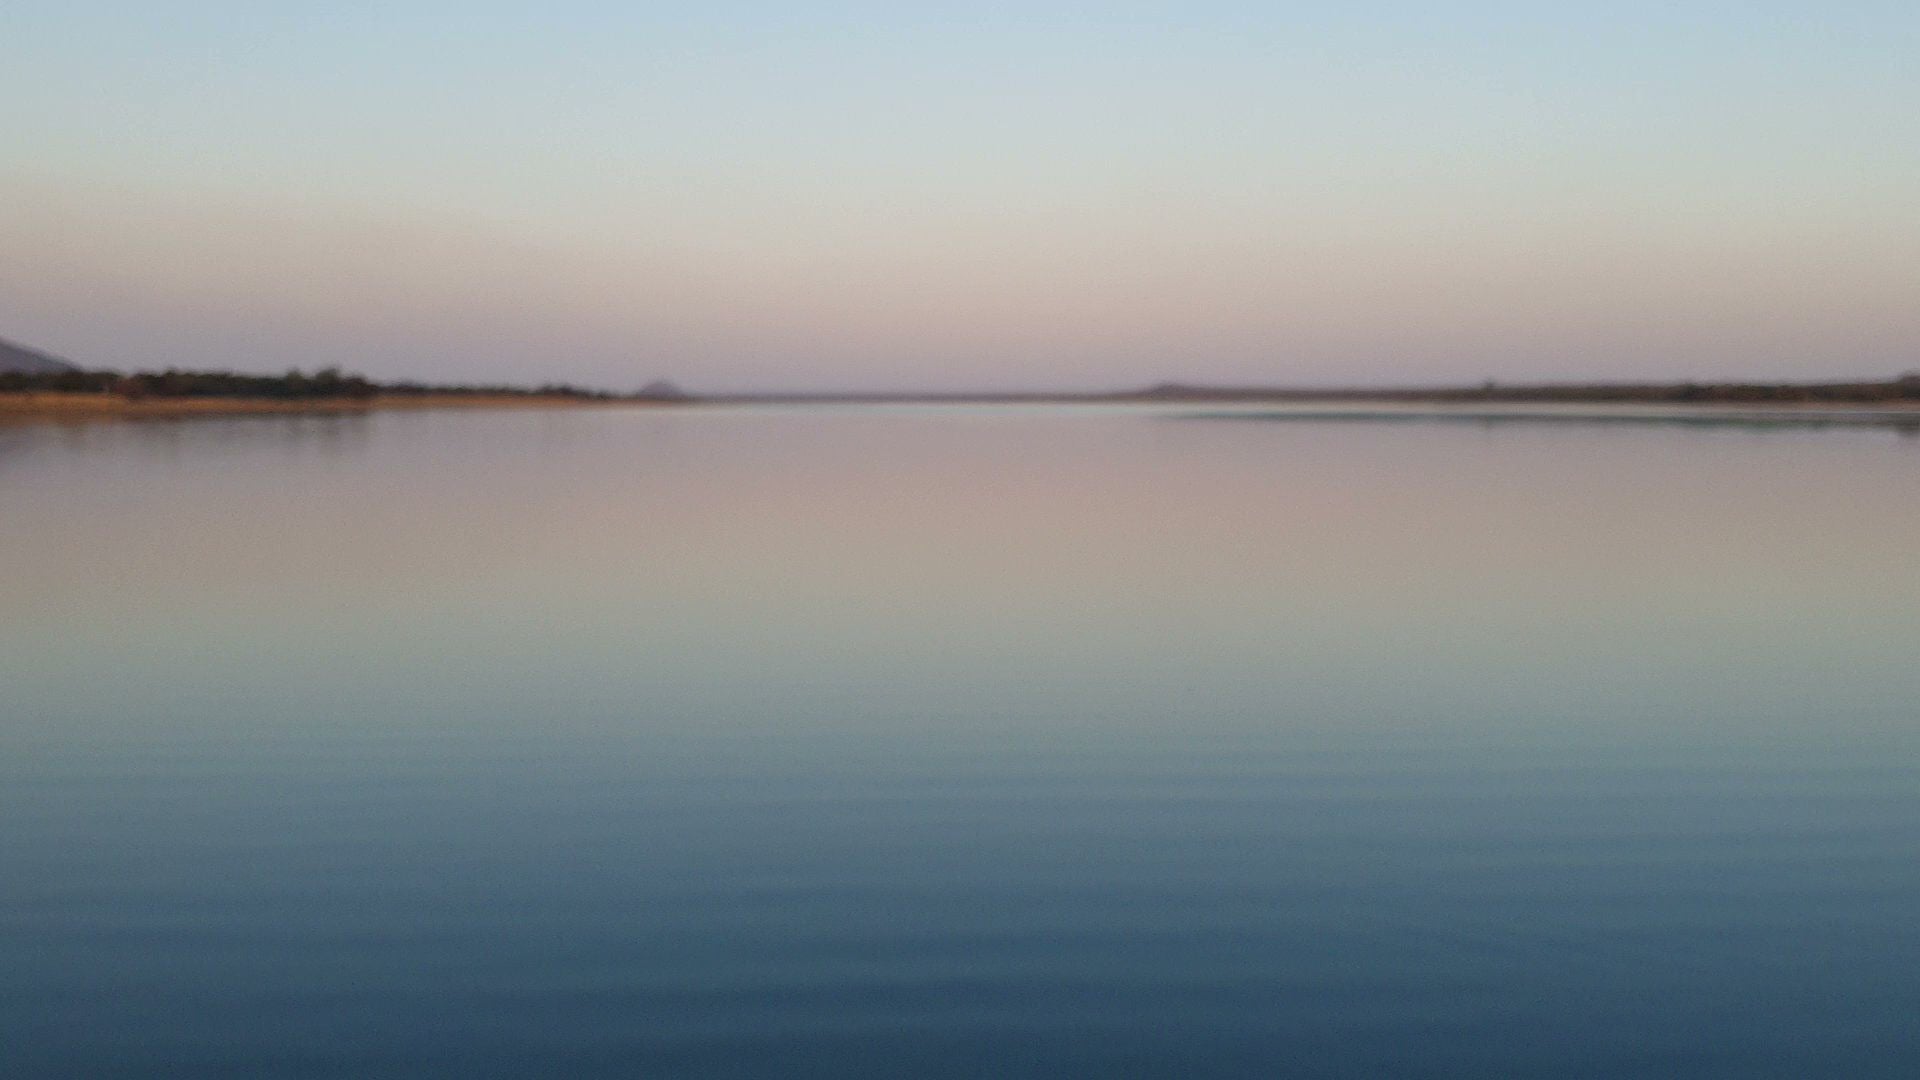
(76, 392)
(293, 386)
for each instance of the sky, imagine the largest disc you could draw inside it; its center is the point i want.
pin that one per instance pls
(923, 196)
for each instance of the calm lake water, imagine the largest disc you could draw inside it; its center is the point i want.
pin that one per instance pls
(957, 742)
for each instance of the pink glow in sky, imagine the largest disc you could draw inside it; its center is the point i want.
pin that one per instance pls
(858, 197)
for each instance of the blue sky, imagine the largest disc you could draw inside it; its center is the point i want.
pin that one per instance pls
(882, 195)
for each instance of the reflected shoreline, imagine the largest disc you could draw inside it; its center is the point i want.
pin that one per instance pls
(1905, 421)
(73, 408)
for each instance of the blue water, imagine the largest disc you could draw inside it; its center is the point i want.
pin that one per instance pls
(957, 742)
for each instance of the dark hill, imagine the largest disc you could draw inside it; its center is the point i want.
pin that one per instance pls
(662, 390)
(20, 360)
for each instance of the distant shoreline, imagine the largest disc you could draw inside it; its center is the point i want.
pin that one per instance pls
(79, 395)
(1900, 393)
(77, 407)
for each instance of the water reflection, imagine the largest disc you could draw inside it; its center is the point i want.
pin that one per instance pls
(947, 741)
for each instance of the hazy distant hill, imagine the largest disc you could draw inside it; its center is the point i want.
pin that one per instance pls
(662, 390)
(20, 360)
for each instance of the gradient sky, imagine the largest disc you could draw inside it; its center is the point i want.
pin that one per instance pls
(912, 196)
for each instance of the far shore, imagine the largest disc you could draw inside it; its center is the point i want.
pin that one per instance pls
(82, 406)
(1391, 405)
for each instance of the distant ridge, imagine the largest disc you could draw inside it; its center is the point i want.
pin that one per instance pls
(20, 360)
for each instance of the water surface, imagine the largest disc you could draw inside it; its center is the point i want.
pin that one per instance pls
(956, 742)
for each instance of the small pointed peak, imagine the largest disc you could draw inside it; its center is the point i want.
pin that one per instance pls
(662, 390)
